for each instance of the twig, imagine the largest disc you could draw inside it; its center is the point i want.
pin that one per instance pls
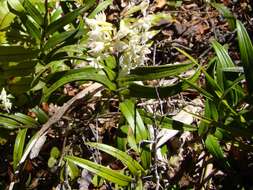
(155, 132)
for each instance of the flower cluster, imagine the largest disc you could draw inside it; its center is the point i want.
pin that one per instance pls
(129, 42)
(5, 102)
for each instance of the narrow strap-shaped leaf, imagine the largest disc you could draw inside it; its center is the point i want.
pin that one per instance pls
(67, 19)
(136, 90)
(9, 123)
(155, 72)
(18, 120)
(84, 74)
(246, 51)
(73, 170)
(26, 120)
(213, 146)
(31, 27)
(22, 68)
(101, 171)
(225, 61)
(19, 147)
(138, 128)
(132, 164)
(215, 149)
(166, 122)
(16, 6)
(6, 16)
(41, 115)
(199, 89)
(33, 12)
(59, 38)
(133, 118)
(17, 53)
(225, 78)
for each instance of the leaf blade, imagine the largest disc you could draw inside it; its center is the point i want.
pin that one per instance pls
(100, 170)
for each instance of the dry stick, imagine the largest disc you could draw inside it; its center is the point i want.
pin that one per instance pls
(91, 90)
(155, 131)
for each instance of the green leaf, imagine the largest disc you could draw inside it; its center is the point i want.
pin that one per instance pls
(8, 123)
(225, 78)
(165, 122)
(31, 27)
(187, 55)
(19, 147)
(40, 114)
(17, 69)
(210, 113)
(138, 128)
(213, 147)
(26, 120)
(17, 53)
(6, 17)
(66, 19)
(101, 171)
(29, 146)
(199, 89)
(246, 51)
(19, 85)
(16, 6)
(101, 7)
(33, 12)
(51, 162)
(155, 72)
(72, 170)
(84, 74)
(226, 13)
(136, 90)
(134, 119)
(127, 160)
(225, 61)
(16, 121)
(59, 38)
(55, 152)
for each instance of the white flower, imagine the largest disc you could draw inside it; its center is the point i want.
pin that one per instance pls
(96, 47)
(100, 19)
(5, 101)
(144, 6)
(130, 41)
(124, 30)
